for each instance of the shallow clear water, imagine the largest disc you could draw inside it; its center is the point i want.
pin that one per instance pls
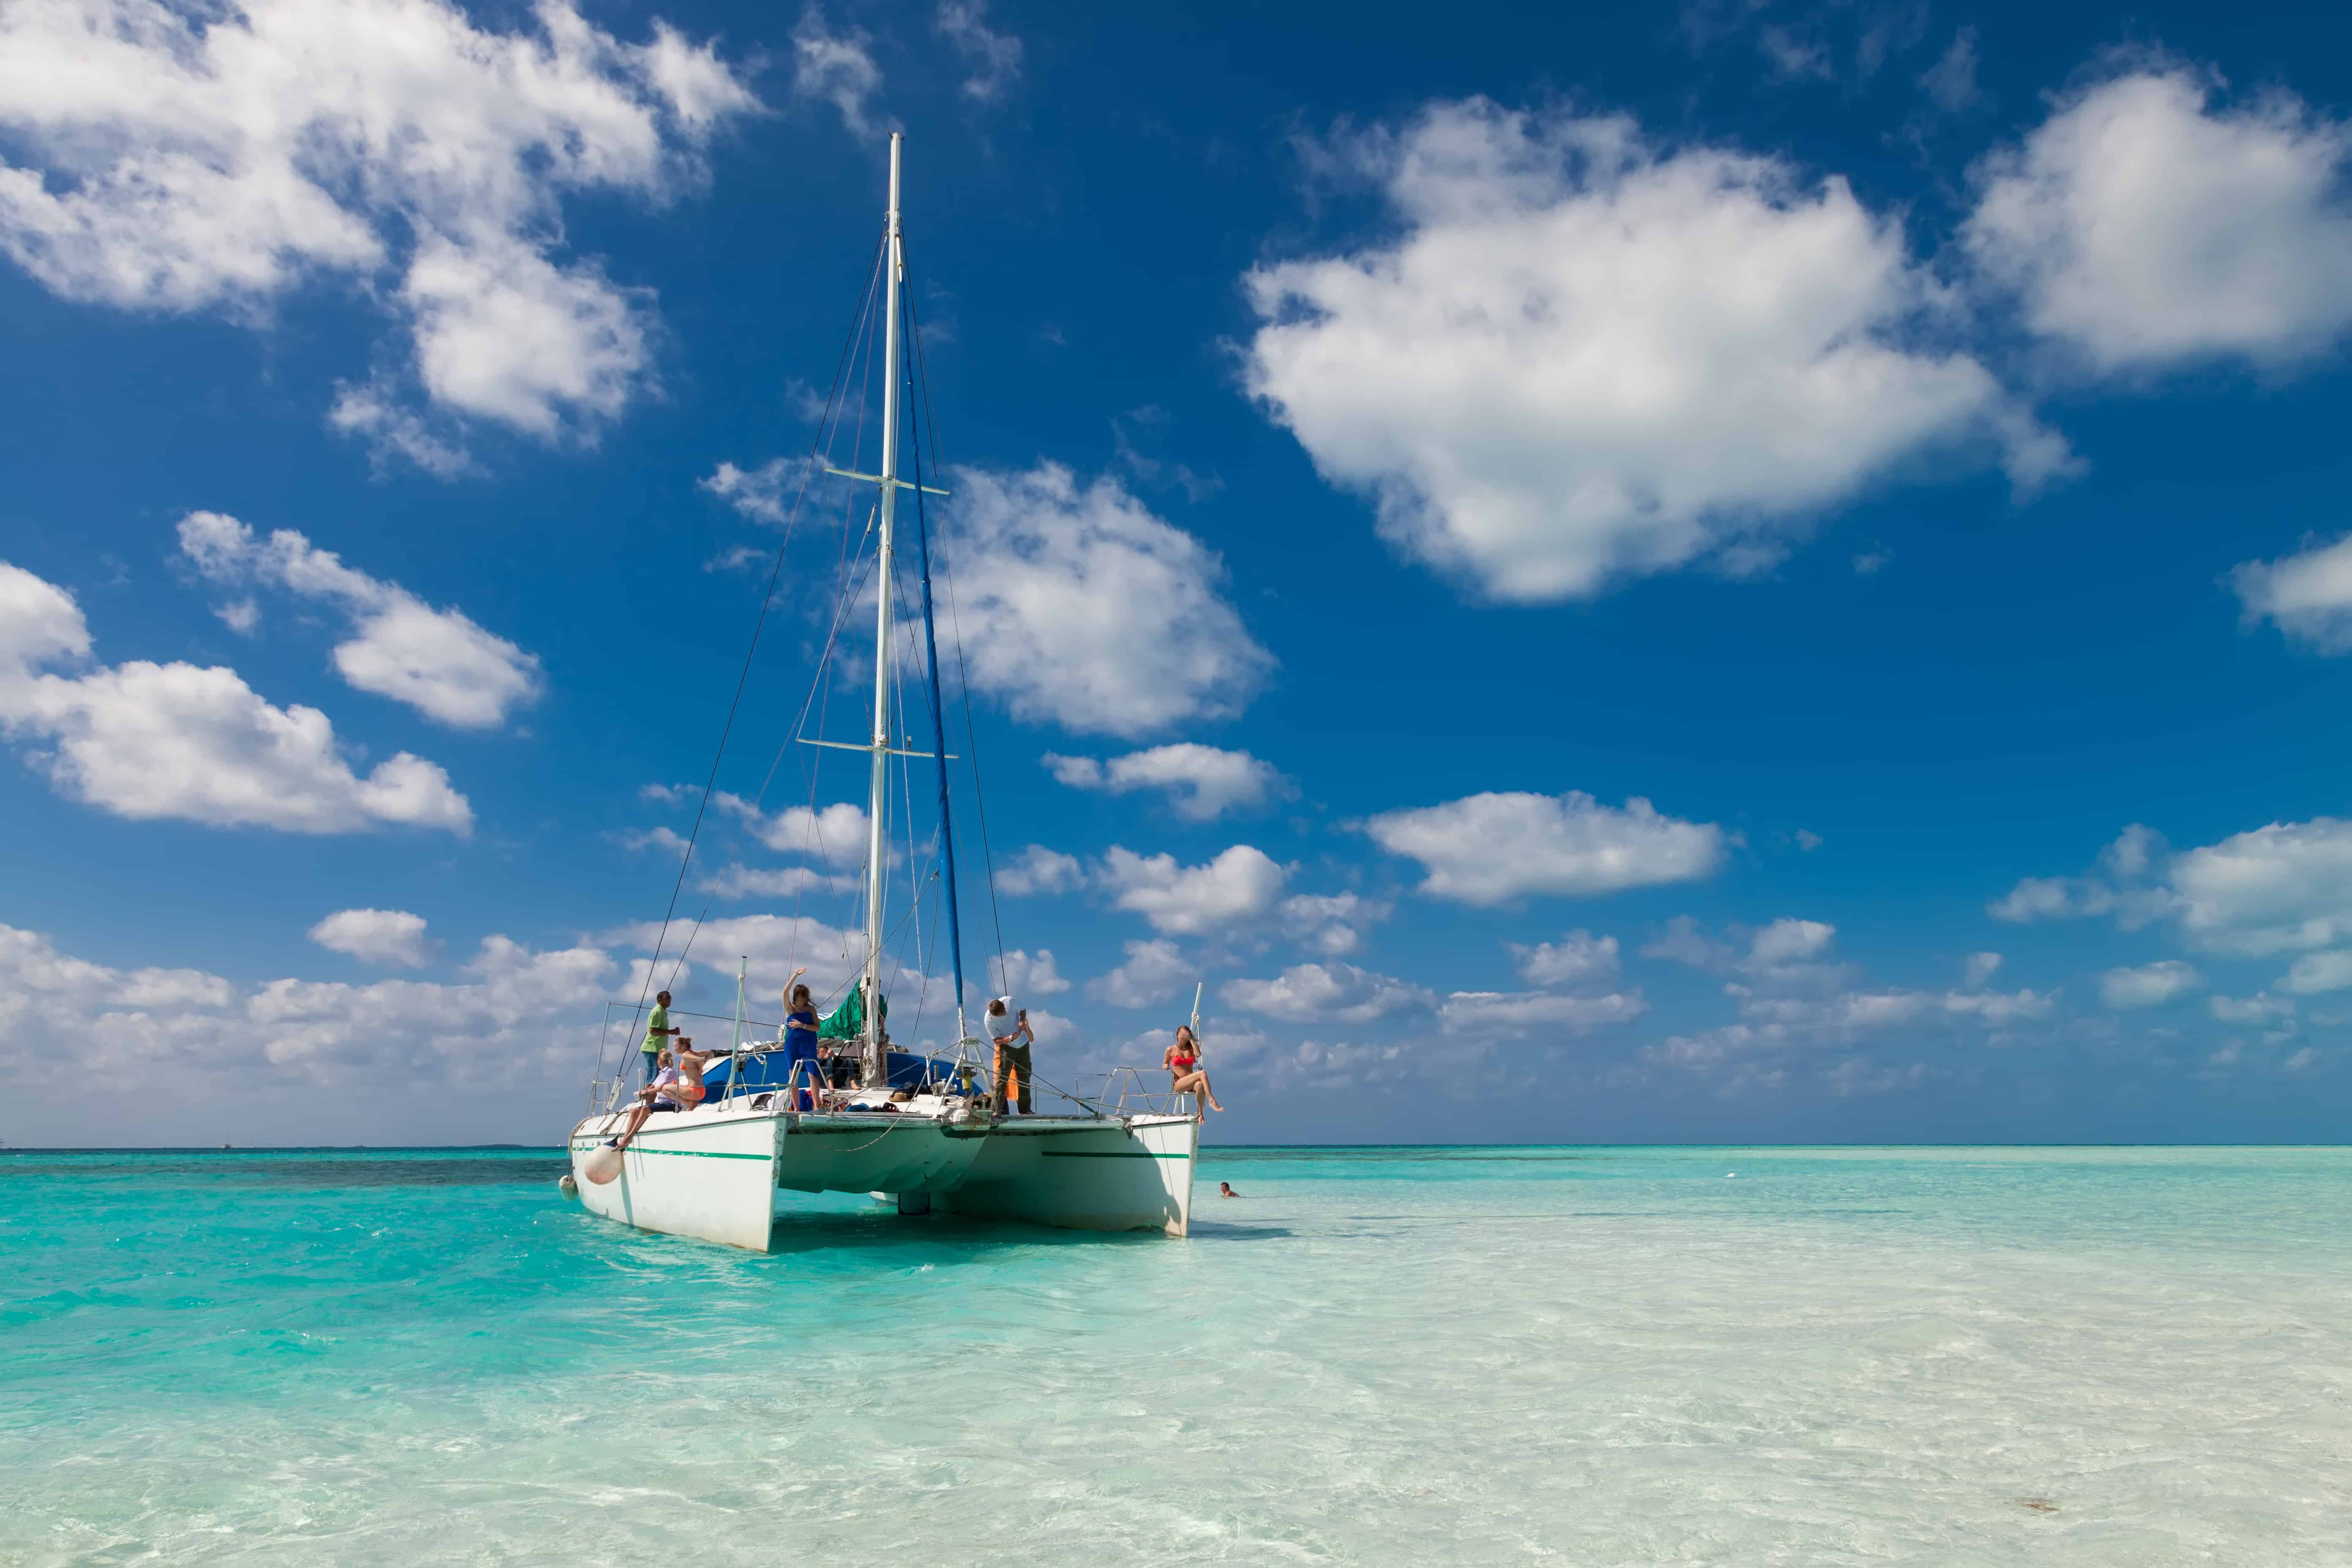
(1572, 1355)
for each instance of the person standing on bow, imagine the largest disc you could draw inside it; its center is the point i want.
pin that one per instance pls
(657, 1029)
(1008, 1027)
(799, 1034)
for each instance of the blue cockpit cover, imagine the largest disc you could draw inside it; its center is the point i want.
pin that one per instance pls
(771, 1070)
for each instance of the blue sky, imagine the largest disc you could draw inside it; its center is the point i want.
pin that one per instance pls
(1742, 572)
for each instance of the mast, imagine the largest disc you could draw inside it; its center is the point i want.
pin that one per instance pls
(878, 796)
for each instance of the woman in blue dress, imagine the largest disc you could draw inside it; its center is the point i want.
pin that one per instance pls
(800, 1038)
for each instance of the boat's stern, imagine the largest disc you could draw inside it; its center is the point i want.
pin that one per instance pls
(1096, 1173)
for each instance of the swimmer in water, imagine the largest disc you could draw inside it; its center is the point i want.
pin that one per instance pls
(1225, 1190)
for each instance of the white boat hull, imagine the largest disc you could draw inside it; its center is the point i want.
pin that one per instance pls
(709, 1175)
(718, 1173)
(1135, 1174)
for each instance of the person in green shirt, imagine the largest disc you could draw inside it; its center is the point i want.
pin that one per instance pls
(657, 1028)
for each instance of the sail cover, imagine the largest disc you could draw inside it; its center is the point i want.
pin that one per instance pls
(848, 1020)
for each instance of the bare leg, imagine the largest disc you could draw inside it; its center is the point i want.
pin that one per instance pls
(636, 1119)
(1197, 1082)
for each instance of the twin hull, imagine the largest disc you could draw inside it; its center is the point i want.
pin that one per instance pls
(717, 1174)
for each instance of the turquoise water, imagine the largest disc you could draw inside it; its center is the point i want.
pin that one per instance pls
(1584, 1356)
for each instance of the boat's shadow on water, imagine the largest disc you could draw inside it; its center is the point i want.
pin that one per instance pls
(1210, 1230)
(848, 1233)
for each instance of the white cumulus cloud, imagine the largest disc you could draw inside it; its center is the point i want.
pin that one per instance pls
(2256, 1009)
(765, 494)
(2149, 986)
(1999, 1007)
(1077, 606)
(1512, 1014)
(2318, 972)
(375, 936)
(1203, 782)
(2141, 226)
(32, 967)
(203, 159)
(838, 835)
(1329, 993)
(503, 334)
(1790, 941)
(1579, 957)
(663, 840)
(1589, 357)
(2050, 899)
(1494, 847)
(1333, 923)
(1039, 871)
(2283, 888)
(2307, 595)
(144, 739)
(438, 662)
(1032, 974)
(475, 1058)
(1153, 972)
(2125, 883)
(994, 58)
(1186, 900)
(837, 68)
(772, 882)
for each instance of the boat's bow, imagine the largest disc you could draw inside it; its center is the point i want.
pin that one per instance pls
(709, 1173)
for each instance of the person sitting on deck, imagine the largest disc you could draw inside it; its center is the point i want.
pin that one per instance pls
(655, 1096)
(688, 1091)
(1008, 1027)
(798, 1034)
(1183, 1064)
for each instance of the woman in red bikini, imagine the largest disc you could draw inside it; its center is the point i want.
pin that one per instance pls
(688, 1091)
(1183, 1064)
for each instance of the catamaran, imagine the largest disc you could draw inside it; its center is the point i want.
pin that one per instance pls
(927, 1130)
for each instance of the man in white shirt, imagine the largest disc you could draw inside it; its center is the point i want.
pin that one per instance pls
(1008, 1027)
(661, 1094)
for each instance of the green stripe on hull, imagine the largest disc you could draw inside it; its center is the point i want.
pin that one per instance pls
(1104, 1154)
(685, 1153)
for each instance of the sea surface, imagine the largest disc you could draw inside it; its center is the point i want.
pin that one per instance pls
(1587, 1355)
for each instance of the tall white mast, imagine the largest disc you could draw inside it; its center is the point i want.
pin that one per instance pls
(878, 798)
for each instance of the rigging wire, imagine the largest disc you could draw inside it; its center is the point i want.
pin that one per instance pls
(963, 680)
(759, 624)
(820, 694)
(688, 948)
(854, 584)
(921, 873)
